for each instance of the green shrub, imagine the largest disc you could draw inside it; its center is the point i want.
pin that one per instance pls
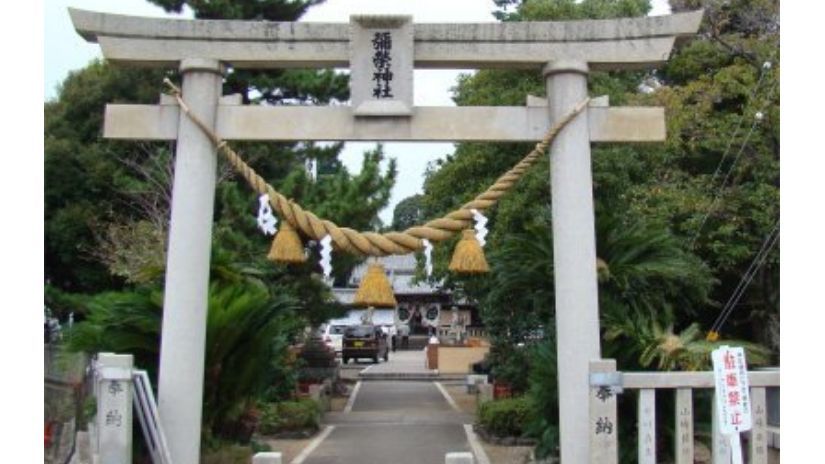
(289, 415)
(227, 454)
(315, 354)
(506, 417)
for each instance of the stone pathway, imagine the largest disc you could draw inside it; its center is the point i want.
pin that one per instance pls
(402, 364)
(392, 421)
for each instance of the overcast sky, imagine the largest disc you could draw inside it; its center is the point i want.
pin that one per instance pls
(66, 51)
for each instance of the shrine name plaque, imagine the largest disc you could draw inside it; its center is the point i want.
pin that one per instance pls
(381, 65)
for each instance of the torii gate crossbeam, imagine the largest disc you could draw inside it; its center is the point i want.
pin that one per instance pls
(565, 51)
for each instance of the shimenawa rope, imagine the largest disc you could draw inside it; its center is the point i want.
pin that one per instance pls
(372, 243)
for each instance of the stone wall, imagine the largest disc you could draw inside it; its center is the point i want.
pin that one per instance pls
(459, 359)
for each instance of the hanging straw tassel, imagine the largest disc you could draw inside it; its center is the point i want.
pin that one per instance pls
(287, 246)
(468, 257)
(602, 270)
(375, 290)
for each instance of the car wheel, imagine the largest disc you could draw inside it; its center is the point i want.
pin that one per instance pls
(345, 360)
(375, 359)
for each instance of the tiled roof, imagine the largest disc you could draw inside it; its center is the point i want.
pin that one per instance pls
(400, 270)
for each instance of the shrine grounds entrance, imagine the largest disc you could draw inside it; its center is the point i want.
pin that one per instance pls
(381, 53)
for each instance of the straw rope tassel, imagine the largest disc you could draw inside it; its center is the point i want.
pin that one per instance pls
(375, 290)
(468, 257)
(287, 246)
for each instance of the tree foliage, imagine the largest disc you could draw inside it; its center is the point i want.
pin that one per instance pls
(677, 224)
(107, 210)
(83, 176)
(714, 184)
(408, 213)
(107, 202)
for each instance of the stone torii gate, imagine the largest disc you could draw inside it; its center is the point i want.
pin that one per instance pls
(381, 52)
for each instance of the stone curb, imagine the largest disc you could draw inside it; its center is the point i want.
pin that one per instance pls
(502, 441)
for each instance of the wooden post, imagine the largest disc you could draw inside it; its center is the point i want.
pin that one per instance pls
(647, 426)
(758, 440)
(684, 426)
(603, 428)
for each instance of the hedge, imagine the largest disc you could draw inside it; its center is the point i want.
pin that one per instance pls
(289, 415)
(505, 417)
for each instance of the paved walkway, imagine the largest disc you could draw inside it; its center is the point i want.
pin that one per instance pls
(404, 365)
(393, 422)
(401, 362)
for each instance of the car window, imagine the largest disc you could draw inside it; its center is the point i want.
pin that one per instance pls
(337, 329)
(360, 331)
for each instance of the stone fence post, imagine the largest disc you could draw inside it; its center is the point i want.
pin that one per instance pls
(113, 388)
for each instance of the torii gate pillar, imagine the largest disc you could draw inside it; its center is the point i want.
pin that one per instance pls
(574, 257)
(183, 340)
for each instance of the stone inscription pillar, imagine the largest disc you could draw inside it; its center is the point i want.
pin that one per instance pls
(574, 257)
(183, 341)
(113, 389)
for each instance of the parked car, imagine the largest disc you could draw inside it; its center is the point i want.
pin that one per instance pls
(333, 336)
(365, 341)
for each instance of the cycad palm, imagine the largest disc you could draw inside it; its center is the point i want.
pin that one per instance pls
(646, 270)
(121, 322)
(246, 331)
(687, 350)
(647, 282)
(642, 272)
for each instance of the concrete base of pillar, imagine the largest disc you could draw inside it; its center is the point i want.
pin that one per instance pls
(267, 458)
(459, 458)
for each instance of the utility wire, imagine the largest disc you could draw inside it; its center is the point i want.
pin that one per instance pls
(718, 195)
(724, 316)
(720, 190)
(739, 124)
(767, 244)
(753, 274)
(747, 277)
(766, 66)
